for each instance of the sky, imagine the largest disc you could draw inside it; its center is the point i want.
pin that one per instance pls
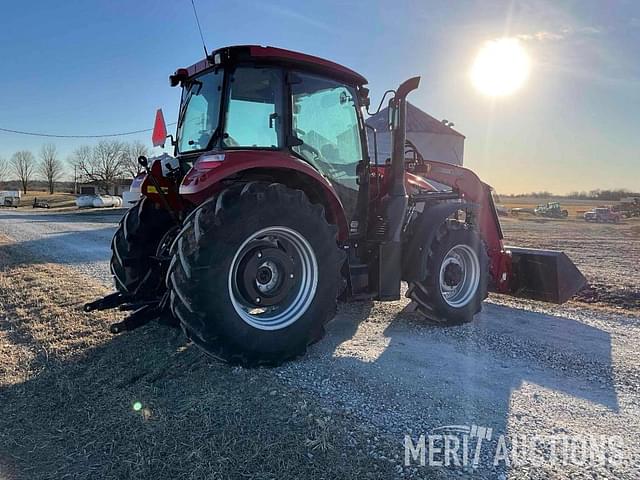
(95, 67)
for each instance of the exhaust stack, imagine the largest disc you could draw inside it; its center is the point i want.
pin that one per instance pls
(390, 251)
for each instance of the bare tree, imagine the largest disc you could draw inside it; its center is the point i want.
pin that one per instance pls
(50, 167)
(4, 169)
(133, 151)
(79, 157)
(22, 164)
(102, 165)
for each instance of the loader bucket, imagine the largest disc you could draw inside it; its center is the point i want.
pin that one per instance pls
(546, 275)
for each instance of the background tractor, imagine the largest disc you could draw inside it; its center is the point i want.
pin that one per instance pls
(273, 209)
(551, 210)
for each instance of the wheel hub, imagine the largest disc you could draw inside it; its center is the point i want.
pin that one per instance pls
(459, 275)
(273, 278)
(267, 274)
(453, 273)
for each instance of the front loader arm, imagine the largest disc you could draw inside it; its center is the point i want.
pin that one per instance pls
(472, 190)
(524, 272)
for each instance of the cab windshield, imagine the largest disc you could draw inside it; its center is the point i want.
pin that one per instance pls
(200, 112)
(253, 116)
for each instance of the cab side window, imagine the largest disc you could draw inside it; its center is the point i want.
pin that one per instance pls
(254, 116)
(325, 120)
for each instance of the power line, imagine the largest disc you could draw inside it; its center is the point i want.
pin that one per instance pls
(53, 135)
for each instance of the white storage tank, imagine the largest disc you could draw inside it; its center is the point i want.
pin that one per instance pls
(84, 201)
(106, 201)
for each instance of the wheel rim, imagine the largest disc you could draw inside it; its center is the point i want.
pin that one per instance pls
(273, 278)
(459, 276)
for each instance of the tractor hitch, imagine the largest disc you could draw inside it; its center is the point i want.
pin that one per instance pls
(138, 318)
(127, 307)
(112, 300)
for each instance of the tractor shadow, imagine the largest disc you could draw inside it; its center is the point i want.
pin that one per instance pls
(418, 376)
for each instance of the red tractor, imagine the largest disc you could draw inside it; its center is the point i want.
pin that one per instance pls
(602, 215)
(272, 210)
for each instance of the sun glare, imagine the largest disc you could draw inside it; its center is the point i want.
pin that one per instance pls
(501, 67)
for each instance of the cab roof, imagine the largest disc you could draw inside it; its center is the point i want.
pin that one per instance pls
(277, 56)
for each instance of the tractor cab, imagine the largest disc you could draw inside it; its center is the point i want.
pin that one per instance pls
(297, 108)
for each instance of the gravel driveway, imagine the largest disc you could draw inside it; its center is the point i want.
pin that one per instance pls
(80, 240)
(521, 369)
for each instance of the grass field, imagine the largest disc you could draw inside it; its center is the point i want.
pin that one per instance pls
(57, 200)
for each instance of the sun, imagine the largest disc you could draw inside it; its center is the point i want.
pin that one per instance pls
(501, 67)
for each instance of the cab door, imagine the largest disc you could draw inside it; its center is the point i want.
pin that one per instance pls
(326, 129)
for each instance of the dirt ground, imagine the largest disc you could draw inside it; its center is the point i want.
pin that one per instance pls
(608, 255)
(76, 402)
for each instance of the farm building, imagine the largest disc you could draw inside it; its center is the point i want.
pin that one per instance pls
(435, 140)
(94, 188)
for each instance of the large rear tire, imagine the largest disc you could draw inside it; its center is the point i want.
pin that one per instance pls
(457, 275)
(134, 246)
(255, 274)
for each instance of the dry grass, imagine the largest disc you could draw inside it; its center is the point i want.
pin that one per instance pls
(57, 200)
(67, 390)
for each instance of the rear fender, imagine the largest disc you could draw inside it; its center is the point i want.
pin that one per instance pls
(213, 171)
(424, 231)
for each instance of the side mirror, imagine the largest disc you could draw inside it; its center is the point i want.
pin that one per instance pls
(159, 134)
(143, 161)
(363, 94)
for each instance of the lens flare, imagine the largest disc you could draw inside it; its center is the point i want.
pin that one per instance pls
(501, 67)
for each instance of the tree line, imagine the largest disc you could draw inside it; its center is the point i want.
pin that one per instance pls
(598, 194)
(102, 164)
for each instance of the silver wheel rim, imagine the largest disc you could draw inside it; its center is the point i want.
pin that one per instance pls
(459, 276)
(304, 278)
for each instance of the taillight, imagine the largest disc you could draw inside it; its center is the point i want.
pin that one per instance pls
(208, 162)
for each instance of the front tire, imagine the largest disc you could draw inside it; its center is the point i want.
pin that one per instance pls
(457, 275)
(255, 274)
